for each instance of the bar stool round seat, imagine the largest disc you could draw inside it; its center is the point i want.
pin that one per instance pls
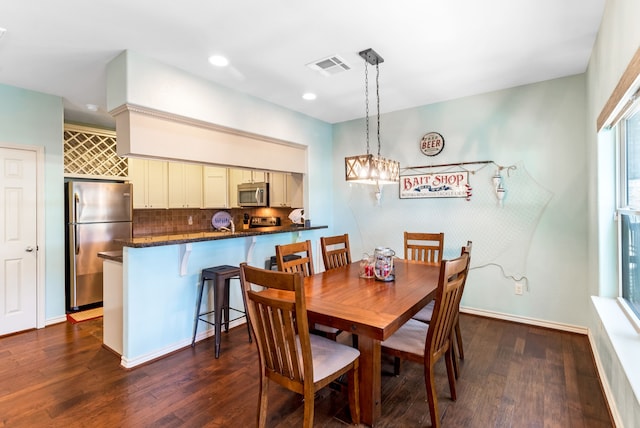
(221, 277)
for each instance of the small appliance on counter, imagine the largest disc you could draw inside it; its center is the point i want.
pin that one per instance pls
(264, 222)
(296, 217)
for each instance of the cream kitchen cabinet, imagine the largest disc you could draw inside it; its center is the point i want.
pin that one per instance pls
(215, 189)
(185, 185)
(150, 181)
(247, 176)
(238, 176)
(285, 190)
(277, 189)
(294, 190)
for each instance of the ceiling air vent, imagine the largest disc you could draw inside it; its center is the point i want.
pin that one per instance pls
(329, 66)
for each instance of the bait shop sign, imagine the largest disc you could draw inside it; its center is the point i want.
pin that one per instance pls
(440, 185)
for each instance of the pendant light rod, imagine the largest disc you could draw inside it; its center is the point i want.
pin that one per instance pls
(366, 99)
(378, 103)
(372, 57)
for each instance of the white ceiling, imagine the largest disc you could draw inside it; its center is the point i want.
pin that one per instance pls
(432, 50)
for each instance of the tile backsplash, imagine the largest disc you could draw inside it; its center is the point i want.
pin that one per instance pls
(168, 221)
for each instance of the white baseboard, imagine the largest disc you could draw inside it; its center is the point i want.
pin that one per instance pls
(56, 320)
(525, 320)
(134, 362)
(606, 388)
(158, 353)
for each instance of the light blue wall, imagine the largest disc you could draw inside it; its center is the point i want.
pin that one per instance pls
(540, 232)
(159, 300)
(30, 118)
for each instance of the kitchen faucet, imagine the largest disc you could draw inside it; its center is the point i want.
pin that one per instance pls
(226, 229)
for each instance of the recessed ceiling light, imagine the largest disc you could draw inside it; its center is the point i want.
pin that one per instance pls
(92, 107)
(2, 31)
(218, 60)
(309, 96)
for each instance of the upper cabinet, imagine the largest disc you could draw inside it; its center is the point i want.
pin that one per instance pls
(150, 180)
(294, 190)
(285, 190)
(215, 190)
(246, 176)
(277, 189)
(185, 185)
(161, 184)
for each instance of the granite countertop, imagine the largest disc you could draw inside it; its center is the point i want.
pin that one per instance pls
(208, 235)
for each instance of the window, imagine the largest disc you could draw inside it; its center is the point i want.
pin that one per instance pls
(629, 211)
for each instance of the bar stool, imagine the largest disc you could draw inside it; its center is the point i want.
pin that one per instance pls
(221, 277)
(273, 263)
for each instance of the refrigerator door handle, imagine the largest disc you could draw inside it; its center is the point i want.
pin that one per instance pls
(76, 202)
(76, 238)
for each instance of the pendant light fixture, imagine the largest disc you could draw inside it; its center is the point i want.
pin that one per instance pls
(370, 168)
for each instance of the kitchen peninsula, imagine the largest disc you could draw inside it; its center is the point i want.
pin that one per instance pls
(159, 278)
(190, 237)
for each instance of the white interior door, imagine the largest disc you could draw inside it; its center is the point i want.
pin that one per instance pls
(18, 243)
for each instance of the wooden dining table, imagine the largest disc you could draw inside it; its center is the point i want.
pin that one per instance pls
(373, 310)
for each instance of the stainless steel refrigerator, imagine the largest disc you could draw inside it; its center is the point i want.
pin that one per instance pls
(96, 214)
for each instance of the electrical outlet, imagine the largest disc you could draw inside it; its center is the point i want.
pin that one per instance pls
(190, 220)
(519, 289)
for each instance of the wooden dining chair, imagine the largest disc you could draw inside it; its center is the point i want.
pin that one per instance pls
(427, 343)
(335, 251)
(289, 355)
(424, 247)
(304, 264)
(425, 314)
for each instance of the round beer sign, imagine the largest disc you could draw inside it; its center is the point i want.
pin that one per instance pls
(431, 144)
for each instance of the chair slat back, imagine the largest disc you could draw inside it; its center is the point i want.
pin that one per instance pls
(304, 264)
(453, 274)
(335, 251)
(424, 247)
(279, 324)
(466, 250)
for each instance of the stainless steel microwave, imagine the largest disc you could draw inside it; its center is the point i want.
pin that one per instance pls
(253, 194)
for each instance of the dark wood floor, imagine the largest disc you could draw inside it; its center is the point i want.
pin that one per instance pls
(513, 376)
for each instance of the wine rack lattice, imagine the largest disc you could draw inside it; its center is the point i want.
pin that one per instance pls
(91, 152)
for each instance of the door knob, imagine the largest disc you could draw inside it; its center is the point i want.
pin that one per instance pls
(29, 249)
